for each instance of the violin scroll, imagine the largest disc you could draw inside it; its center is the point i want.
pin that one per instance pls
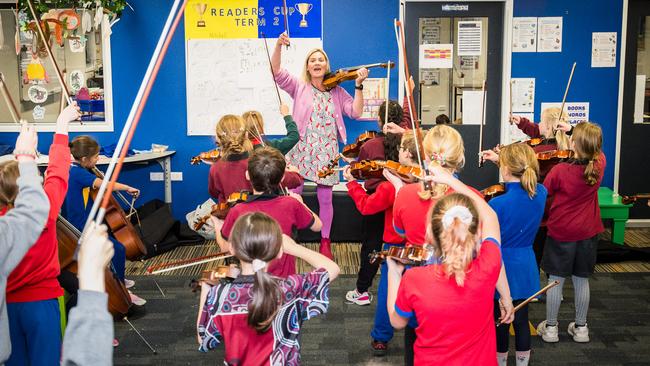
(211, 156)
(213, 276)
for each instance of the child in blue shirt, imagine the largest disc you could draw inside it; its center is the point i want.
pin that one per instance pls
(520, 212)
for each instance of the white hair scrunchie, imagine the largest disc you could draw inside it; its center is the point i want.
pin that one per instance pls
(258, 264)
(460, 212)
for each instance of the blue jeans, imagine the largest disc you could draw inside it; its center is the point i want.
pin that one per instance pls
(119, 258)
(35, 333)
(382, 329)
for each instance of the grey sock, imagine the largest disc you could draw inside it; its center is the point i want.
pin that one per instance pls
(502, 358)
(581, 288)
(553, 300)
(522, 358)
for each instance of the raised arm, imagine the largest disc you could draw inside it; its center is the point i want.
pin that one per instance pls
(276, 59)
(316, 260)
(357, 105)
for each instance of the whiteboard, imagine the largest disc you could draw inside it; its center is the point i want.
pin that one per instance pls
(232, 76)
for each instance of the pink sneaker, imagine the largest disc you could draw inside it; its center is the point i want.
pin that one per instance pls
(115, 342)
(137, 300)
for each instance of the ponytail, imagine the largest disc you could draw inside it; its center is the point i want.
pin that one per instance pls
(588, 140)
(454, 226)
(520, 160)
(232, 135)
(256, 238)
(443, 145)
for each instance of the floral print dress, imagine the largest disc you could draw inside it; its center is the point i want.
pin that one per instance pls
(319, 145)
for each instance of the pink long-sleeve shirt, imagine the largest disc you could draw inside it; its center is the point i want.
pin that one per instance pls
(303, 95)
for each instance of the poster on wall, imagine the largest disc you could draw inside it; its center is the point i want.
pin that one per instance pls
(374, 94)
(436, 56)
(524, 34)
(430, 30)
(227, 69)
(576, 112)
(514, 133)
(430, 77)
(603, 49)
(523, 95)
(469, 38)
(549, 34)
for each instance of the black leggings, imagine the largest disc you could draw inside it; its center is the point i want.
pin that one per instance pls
(522, 331)
(409, 342)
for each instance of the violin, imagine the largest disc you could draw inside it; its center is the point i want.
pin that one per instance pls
(409, 254)
(119, 300)
(367, 169)
(211, 156)
(405, 172)
(493, 191)
(221, 209)
(349, 151)
(121, 226)
(331, 80)
(213, 276)
(628, 200)
(555, 155)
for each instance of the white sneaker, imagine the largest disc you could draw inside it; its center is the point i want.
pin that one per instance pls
(128, 283)
(580, 334)
(355, 297)
(549, 333)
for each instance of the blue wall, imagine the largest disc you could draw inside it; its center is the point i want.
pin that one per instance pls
(598, 86)
(355, 32)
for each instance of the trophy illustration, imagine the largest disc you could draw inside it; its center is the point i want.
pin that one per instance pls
(200, 9)
(303, 9)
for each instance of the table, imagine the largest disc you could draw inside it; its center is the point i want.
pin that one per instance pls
(162, 158)
(611, 207)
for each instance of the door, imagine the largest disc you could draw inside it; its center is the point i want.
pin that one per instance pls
(634, 172)
(452, 48)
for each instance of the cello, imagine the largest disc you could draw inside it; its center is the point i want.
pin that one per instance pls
(120, 225)
(119, 300)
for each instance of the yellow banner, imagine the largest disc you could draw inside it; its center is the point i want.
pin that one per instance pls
(221, 19)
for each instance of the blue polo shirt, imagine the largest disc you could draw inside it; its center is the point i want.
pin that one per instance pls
(78, 201)
(519, 219)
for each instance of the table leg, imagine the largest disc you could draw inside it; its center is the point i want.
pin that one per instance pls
(618, 231)
(166, 164)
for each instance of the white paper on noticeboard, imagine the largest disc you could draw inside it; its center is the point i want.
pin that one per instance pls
(603, 49)
(472, 107)
(524, 34)
(469, 38)
(549, 34)
(523, 95)
(436, 56)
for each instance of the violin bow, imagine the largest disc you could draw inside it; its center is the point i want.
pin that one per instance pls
(98, 209)
(39, 28)
(566, 91)
(171, 266)
(525, 302)
(480, 133)
(286, 20)
(268, 57)
(510, 112)
(415, 122)
(15, 114)
(387, 93)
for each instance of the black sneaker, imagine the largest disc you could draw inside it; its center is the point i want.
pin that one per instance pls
(379, 348)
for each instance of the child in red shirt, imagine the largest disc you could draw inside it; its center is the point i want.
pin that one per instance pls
(381, 201)
(258, 316)
(32, 287)
(453, 299)
(385, 146)
(265, 170)
(573, 226)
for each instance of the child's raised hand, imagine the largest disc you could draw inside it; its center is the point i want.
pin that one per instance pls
(69, 114)
(563, 126)
(490, 155)
(515, 119)
(347, 174)
(391, 127)
(284, 110)
(439, 174)
(94, 254)
(26, 143)
(133, 191)
(393, 179)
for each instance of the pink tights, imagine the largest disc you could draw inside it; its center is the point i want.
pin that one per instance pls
(325, 207)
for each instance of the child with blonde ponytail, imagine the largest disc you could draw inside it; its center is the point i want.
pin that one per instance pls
(258, 316)
(520, 212)
(455, 327)
(573, 227)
